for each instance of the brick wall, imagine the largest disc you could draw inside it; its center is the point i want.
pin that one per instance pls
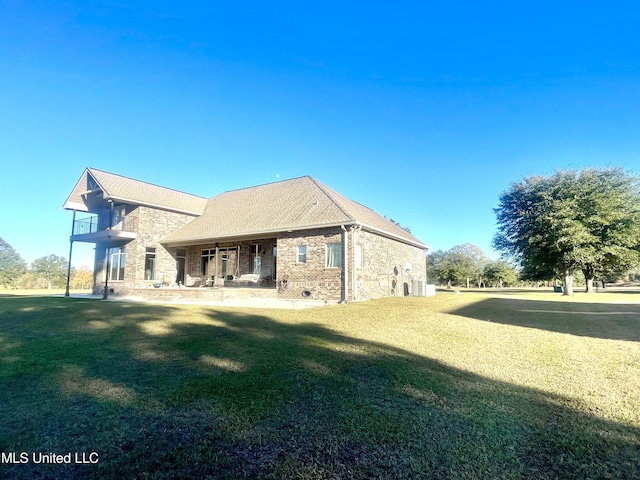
(313, 276)
(152, 225)
(381, 273)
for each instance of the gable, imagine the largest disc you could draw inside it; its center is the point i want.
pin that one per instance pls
(291, 205)
(95, 186)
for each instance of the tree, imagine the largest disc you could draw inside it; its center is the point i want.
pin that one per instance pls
(459, 265)
(53, 268)
(12, 266)
(82, 278)
(587, 220)
(500, 273)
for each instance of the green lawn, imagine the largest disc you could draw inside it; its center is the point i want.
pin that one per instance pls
(477, 385)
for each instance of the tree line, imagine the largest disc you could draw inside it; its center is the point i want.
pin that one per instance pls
(467, 265)
(572, 225)
(47, 272)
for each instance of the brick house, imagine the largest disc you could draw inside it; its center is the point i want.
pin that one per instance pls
(296, 238)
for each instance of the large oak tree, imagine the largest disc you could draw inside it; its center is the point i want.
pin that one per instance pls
(12, 266)
(53, 268)
(588, 220)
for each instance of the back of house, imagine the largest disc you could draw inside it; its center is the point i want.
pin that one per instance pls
(294, 238)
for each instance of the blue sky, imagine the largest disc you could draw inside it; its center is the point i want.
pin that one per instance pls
(423, 111)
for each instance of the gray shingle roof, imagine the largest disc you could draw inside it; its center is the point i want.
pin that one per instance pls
(297, 204)
(132, 191)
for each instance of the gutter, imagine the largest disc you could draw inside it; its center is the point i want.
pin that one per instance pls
(345, 264)
(261, 234)
(354, 238)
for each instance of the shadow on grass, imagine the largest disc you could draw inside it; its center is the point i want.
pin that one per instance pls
(162, 392)
(596, 320)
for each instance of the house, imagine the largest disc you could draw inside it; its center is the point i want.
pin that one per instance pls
(296, 238)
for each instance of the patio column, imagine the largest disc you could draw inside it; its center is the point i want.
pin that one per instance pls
(345, 264)
(215, 268)
(105, 293)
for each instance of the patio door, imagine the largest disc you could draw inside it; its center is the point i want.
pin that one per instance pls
(275, 262)
(256, 259)
(181, 264)
(225, 265)
(118, 218)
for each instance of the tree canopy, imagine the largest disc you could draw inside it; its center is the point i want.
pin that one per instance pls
(587, 220)
(12, 266)
(459, 265)
(500, 273)
(53, 268)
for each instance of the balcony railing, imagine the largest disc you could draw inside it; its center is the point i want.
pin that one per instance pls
(85, 225)
(92, 224)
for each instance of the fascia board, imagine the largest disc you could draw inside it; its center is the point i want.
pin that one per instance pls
(393, 236)
(151, 205)
(254, 234)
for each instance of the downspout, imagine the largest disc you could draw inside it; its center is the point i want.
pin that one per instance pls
(73, 224)
(354, 286)
(345, 264)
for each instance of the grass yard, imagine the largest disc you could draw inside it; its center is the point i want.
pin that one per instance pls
(477, 385)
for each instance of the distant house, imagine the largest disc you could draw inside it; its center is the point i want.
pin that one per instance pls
(297, 238)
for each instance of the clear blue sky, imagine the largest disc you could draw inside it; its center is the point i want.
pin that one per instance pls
(423, 111)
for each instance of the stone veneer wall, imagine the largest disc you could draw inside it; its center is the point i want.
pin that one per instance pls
(382, 262)
(153, 225)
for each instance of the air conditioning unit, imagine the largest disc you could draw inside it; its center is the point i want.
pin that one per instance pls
(420, 288)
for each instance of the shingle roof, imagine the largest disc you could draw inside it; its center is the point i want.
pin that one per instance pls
(128, 190)
(297, 204)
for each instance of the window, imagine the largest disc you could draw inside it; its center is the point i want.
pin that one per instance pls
(150, 264)
(301, 254)
(116, 257)
(358, 255)
(334, 255)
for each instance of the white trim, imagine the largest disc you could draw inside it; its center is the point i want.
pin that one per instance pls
(130, 201)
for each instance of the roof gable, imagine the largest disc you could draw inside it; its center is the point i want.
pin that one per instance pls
(128, 190)
(297, 204)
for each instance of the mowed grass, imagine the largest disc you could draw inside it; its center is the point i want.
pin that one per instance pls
(477, 385)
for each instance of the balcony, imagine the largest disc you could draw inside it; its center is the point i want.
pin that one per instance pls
(94, 229)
